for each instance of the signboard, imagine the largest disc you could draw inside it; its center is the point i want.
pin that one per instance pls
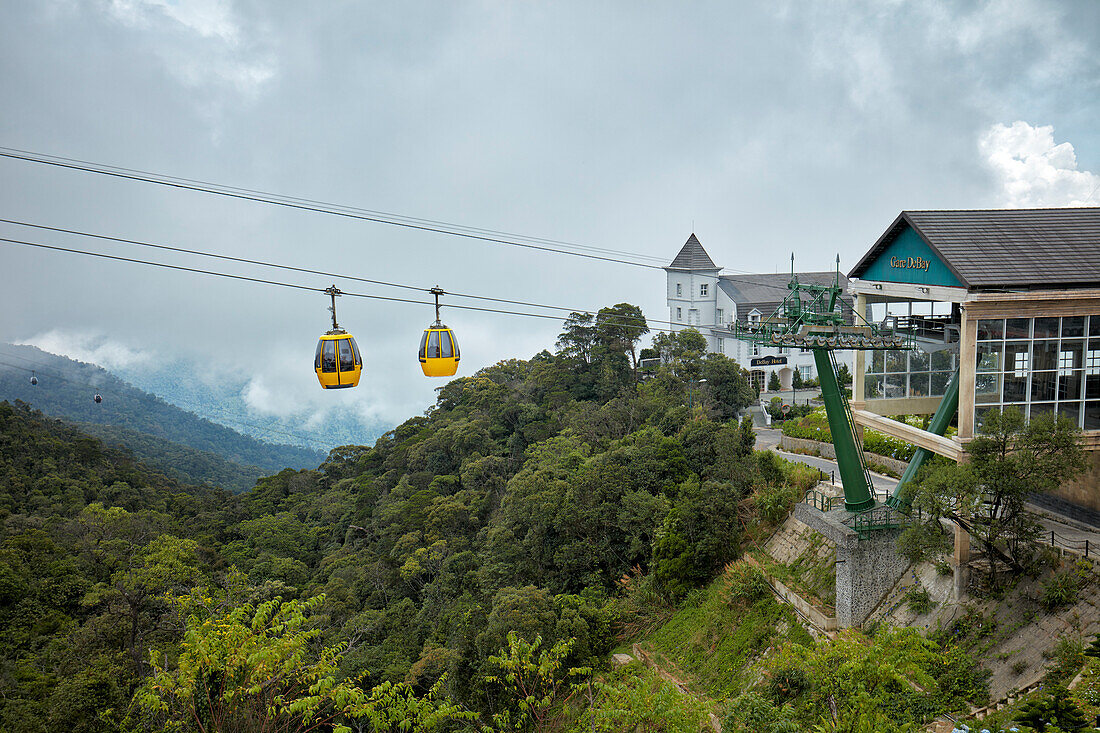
(909, 259)
(768, 361)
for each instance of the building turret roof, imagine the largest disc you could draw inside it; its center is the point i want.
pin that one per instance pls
(692, 256)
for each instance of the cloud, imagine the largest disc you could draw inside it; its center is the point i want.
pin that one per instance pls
(94, 348)
(200, 42)
(1031, 170)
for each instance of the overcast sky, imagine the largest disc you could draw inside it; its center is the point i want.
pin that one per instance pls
(768, 128)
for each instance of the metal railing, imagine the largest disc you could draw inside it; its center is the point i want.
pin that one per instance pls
(879, 518)
(821, 501)
(1068, 544)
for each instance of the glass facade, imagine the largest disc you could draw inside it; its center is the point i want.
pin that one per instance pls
(899, 374)
(1040, 365)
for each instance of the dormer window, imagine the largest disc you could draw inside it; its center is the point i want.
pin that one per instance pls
(703, 290)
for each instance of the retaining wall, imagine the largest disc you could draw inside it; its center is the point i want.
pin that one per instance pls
(826, 450)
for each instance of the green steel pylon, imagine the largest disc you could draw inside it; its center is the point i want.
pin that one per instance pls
(949, 405)
(817, 323)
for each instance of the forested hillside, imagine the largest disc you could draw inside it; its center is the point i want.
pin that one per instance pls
(66, 387)
(475, 567)
(184, 464)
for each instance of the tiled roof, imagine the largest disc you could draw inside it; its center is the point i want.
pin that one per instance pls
(1006, 248)
(766, 292)
(692, 256)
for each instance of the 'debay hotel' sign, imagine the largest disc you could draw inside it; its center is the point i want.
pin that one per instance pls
(909, 259)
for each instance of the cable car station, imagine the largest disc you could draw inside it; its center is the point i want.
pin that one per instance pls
(957, 314)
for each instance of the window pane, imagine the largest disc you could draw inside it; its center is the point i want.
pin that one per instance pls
(317, 356)
(1041, 408)
(895, 361)
(1092, 387)
(872, 387)
(1071, 355)
(433, 345)
(445, 344)
(876, 362)
(918, 385)
(1069, 385)
(987, 388)
(355, 352)
(1094, 325)
(991, 330)
(454, 340)
(895, 385)
(989, 356)
(1092, 416)
(1046, 328)
(1073, 326)
(1017, 358)
(328, 357)
(1042, 386)
(423, 344)
(1071, 411)
(1015, 388)
(1092, 358)
(939, 383)
(980, 415)
(1018, 328)
(943, 361)
(347, 361)
(1044, 356)
(918, 361)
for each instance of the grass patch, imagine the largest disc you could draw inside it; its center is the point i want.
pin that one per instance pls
(714, 640)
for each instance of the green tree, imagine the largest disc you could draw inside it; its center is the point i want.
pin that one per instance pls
(773, 382)
(620, 327)
(530, 680)
(578, 338)
(1008, 461)
(1052, 711)
(727, 384)
(843, 376)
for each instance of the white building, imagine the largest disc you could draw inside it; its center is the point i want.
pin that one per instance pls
(700, 297)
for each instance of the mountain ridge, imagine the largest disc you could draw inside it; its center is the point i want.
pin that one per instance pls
(65, 389)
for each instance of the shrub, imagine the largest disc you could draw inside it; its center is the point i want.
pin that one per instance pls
(747, 584)
(919, 600)
(1062, 588)
(773, 502)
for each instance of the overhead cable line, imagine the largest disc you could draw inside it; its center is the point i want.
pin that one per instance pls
(356, 278)
(292, 268)
(150, 263)
(378, 217)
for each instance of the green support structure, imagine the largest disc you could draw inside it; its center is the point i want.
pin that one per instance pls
(899, 499)
(811, 317)
(857, 494)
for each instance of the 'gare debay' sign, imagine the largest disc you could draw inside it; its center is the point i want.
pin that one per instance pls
(910, 263)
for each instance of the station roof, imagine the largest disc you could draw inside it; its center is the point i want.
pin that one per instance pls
(1000, 248)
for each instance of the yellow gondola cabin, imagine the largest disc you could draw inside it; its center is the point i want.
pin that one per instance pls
(337, 361)
(439, 353)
